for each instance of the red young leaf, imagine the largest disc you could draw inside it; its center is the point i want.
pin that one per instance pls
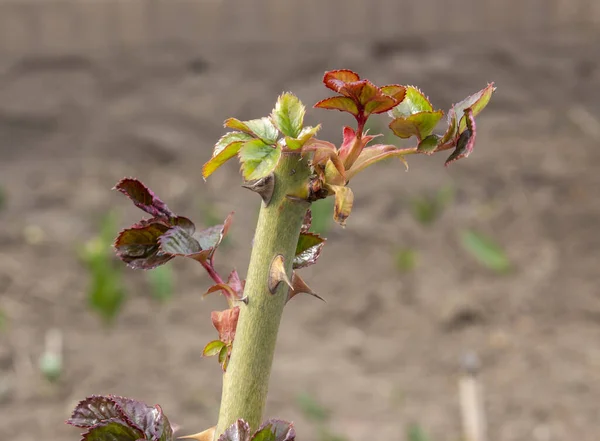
(466, 140)
(112, 430)
(373, 154)
(143, 197)
(238, 431)
(336, 79)
(177, 241)
(138, 246)
(352, 146)
(275, 430)
(236, 284)
(93, 410)
(395, 91)
(225, 322)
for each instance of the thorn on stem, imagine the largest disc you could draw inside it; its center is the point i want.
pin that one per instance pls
(277, 274)
(206, 435)
(263, 186)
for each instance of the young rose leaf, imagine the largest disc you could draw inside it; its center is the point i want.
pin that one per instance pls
(476, 102)
(341, 103)
(344, 199)
(149, 419)
(288, 115)
(113, 430)
(238, 431)
(213, 348)
(457, 123)
(466, 140)
(258, 159)
(373, 154)
(275, 430)
(94, 410)
(486, 251)
(138, 246)
(143, 197)
(236, 284)
(225, 322)
(325, 152)
(395, 91)
(429, 144)
(178, 241)
(227, 290)
(414, 102)
(336, 79)
(308, 250)
(223, 354)
(306, 134)
(419, 124)
(262, 128)
(226, 148)
(210, 238)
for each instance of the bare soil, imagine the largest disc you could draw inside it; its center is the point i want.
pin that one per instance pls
(385, 350)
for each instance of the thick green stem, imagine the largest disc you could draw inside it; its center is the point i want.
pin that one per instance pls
(245, 383)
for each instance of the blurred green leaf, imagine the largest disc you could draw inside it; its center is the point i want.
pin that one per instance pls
(3, 320)
(427, 209)
(486, 251)
(406, 259)
(322, 213)
(311, 409)
(161, 283)
(416, 433)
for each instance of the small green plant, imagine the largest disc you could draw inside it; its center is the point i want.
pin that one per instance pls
(486, 251)
(106, 291)
(2, 198)
(427, 209)
(290, 168)
(416, 433)
(3, 320)
(406, 259)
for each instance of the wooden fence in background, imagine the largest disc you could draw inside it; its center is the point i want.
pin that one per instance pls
(31, 27)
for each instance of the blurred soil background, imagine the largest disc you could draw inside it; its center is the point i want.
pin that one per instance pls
(92, 91)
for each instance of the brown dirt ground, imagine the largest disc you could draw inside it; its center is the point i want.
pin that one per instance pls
(384, 350)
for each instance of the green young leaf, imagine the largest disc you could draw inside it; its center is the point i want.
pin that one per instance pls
(288, 115)
(414, 102)
(262, 128)
(305, 135)
(258, 159)
(238, 431)
(3, 320)
(419, 124)
(308, 250)
(275, 430)
(344, 199)
(341, 103)
(429, 144)
(112, 431)
(485, 251)
(213, 348)
(226, 148)
(223, 354)
(476, 102)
